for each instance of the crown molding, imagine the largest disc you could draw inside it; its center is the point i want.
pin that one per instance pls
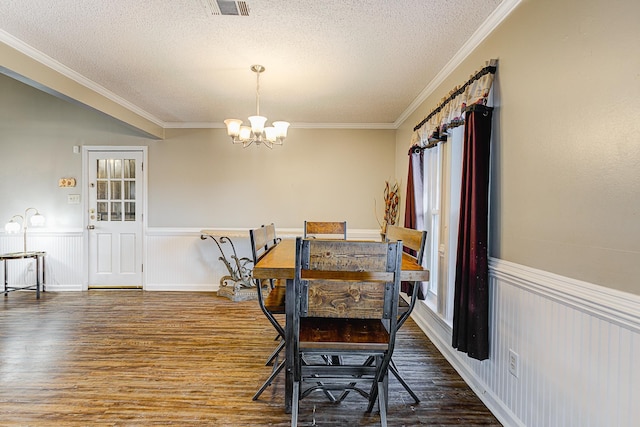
(498, 15)
(62, 69)
(207, 125)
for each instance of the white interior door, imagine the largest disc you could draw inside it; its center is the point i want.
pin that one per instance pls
(115, 221)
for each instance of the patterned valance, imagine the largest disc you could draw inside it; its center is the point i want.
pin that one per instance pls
(450, 112)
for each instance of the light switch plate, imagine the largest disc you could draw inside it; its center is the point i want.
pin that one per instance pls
(73, 199)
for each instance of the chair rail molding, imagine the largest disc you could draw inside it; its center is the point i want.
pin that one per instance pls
(608, 304)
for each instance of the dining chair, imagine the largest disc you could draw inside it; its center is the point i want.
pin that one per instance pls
(415, 241)
(264, 239)
(325, 229)
(346, 303)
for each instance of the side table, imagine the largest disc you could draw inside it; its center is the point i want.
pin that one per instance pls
(40, 271)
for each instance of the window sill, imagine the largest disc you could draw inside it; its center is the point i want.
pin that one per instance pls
(431, 305)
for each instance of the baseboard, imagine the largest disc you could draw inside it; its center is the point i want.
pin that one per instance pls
(56, 287)
(184, 287)
(440, 335)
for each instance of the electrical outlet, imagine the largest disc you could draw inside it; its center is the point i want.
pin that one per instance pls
(514, 363)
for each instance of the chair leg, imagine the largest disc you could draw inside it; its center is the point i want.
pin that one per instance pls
(275, 353)
(373, 395)
(382, 403)
(394, 370)
(269, 380)
(295, 401)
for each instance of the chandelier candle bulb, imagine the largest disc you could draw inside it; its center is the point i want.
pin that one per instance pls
(270, 133)
(245, 133)
(257, 124)
(233, 127)
(281, 130)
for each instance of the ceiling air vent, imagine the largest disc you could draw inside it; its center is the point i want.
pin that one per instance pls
(226, 7)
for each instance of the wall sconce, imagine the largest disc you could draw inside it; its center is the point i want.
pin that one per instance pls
(12, 226)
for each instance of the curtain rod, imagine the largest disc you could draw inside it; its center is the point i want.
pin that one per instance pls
(489, 69)
(473, 107)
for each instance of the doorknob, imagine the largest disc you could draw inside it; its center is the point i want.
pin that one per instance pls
(91, 227)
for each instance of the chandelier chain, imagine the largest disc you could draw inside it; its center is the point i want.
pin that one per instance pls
(257, 93)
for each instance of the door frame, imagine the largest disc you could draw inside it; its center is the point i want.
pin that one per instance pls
(86, 149)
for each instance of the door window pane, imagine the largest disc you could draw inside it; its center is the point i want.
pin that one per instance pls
(116, 193)
(116, 168)
(129, 168)
(102, 190)
(130, 190)
(116, 211)
(102, 214)
(129, 211)
(102, 168)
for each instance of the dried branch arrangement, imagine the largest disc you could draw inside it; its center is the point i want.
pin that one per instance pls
(391, 206)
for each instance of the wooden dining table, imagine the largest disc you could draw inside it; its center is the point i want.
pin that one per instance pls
(279, 263)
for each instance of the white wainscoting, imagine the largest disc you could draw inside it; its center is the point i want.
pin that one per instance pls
(178, 260)
(63, 262)
(578, 347)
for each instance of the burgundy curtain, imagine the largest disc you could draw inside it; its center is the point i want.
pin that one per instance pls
(413, 202)
(471, 299)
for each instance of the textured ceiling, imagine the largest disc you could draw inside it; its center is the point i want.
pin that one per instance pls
(327, 61)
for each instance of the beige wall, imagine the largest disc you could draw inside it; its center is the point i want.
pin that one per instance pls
(201, 178)
(566, 147)
(37, 135)
(197, 178)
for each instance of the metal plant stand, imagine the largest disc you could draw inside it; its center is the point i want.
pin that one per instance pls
(238, 284)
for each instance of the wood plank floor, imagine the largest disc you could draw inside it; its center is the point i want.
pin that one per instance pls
(134, 358)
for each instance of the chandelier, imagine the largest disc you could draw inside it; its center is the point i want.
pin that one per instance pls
(258, 133)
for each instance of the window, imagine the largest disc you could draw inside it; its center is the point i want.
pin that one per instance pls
(116, 187)
(442, 186)
(442, 181)
(432, 185)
